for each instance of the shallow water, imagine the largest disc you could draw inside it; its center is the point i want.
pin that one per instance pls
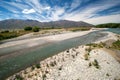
(114, 30)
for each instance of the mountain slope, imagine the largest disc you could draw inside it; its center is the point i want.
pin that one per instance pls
(18, 24)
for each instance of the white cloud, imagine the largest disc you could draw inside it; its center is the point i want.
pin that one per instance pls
(91, 11)
(43, 11)
(28, 11)
(104, 19)
(56, 13)
(47, 8)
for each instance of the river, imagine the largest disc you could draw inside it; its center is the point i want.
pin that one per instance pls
(13, 64)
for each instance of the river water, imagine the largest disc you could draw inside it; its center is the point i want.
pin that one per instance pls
(14, 64)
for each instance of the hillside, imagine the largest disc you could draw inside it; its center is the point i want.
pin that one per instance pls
(18, 24)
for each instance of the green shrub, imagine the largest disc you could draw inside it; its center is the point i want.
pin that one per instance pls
(6, 31)
(88, 49)
(37, 65)
(107, 75)
(18, 77)
(28, 28)
(96, 64)
(60, 68)
(35, 29)
(90, 64)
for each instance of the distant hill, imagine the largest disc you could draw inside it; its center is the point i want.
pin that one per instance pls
(109, 25)
(18, 24)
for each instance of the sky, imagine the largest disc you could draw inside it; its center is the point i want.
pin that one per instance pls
(91, 11)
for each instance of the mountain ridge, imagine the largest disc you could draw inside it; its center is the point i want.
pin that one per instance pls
(19, 23)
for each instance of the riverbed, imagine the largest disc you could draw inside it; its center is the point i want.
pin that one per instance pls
(29, 56)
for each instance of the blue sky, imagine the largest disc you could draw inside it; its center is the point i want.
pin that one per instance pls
(92, 11)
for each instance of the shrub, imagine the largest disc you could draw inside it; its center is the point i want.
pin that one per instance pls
(18, 77)
(35, 29)
(6, 31)
(96, 64)
(60, 68)
(88, 49)
(86, 56)
(37, 65)
(107, 75)
(28, 28)
(90, 64)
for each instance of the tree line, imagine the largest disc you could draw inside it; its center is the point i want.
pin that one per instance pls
(108, 25)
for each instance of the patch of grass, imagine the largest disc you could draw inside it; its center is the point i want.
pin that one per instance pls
(79, 29)
(99, 45)
(116, 45)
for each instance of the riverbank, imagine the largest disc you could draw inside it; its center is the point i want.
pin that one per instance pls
(79, 63)
(55, 37)
(73, 64)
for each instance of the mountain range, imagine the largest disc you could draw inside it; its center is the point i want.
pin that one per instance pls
(18, 24)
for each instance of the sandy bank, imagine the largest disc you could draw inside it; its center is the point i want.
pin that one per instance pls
(51, 38)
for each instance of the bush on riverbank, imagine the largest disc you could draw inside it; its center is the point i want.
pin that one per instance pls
(28, 28)
(12, 34)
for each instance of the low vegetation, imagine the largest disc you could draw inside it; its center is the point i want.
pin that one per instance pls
(35, 29)
(96, 64)
(116, 45)
(90, 64)
(6, 34)
(79, 29)
(88, 49)
(109, 25)
(99, 45)
(37, 66)
(28, 28)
